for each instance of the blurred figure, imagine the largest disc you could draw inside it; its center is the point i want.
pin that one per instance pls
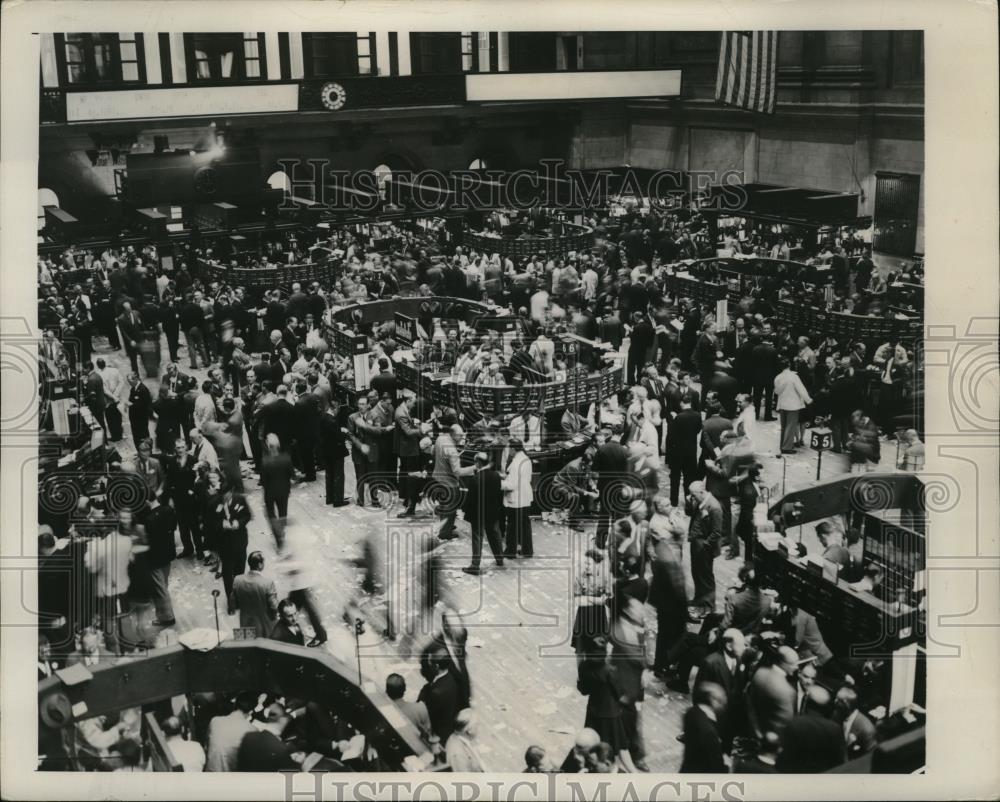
(702, 741)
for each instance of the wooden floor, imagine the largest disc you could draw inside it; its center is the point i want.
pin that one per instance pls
(519, 617)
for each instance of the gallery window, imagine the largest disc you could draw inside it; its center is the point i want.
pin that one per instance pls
(100, 59)
(331, 55)
(225, 56)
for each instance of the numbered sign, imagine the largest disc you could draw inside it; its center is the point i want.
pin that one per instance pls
(822, 440)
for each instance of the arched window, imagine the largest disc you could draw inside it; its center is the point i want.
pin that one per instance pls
(46, 197)
(280, 180)
(382, 174)
(478, 164)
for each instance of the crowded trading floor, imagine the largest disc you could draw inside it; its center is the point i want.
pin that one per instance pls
(316, 461)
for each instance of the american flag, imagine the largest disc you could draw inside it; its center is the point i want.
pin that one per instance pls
(747, 69)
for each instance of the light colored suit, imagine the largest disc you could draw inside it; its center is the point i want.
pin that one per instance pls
(256, 597)
(790, 391)
(109, 559)
(517, 483)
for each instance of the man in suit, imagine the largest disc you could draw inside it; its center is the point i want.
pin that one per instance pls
(763, 369)
(406, 443)
(448, 473)
(140, 408)
(131, 330)
(160, 522)
(361, 434)
(858, 730)
(333, 448)
(726, 669)
(191, 319)
(771, 694)
(287, 628)
(416, 712)
(682, 448)
(94, 395)
(641, 340)
(517, 500)
(746, 608)
(179, 472)
(278, 417)
(234, 515)
(483, 507)
(307, 430)
(702, 741)
(263, 749)
(811, 742)
(705, 537)
(439, 695)
(611, 464)
(225, 733)
(385, 381)
(382, 458)
(256, 597)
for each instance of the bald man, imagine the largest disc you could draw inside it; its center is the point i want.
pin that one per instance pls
(576, 760)
(772, 696)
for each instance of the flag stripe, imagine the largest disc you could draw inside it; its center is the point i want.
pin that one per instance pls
(747, 71)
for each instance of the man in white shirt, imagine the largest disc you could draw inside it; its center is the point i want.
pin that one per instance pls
(202, 450)
(114, 384)
(517, 500)
(539, 303)
(527, 428)
(204, 407)
(589, 283)
(792, 398)
(189, 754)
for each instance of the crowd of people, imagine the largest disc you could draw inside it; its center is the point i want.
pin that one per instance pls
(272, 405)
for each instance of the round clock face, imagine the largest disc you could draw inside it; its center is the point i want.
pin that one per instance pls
(333, 96)
(205, 181)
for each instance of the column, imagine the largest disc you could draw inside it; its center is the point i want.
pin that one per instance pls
(151, 45)
(382, 52)
(295, 53)
(178, 63)
(50, 75)
(273, 57)
(403, 53)
(503, 52)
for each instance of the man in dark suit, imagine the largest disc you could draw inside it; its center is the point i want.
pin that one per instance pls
(702, 742)
(406, 443)
(858, 730)
(440, 695)
(681, 449)
(812, 743)
(131, 329)
(179, 470)
(287, 628)
(307, 430)
(385, 381)
(278, 417)
(705, 537)
(140, 408)
(763, 369)
(94, 395)
(483, 507)
(726, 669)
(234, 515)
(771, 697)
(641, 340)
(263, 749)
(256, 597)
(333, 447)
(611, 464)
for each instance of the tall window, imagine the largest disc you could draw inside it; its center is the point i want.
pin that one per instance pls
(329, 55)
(441, 53)
(100, 58)
(897, 202)
(470, 52)
(225, 56)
